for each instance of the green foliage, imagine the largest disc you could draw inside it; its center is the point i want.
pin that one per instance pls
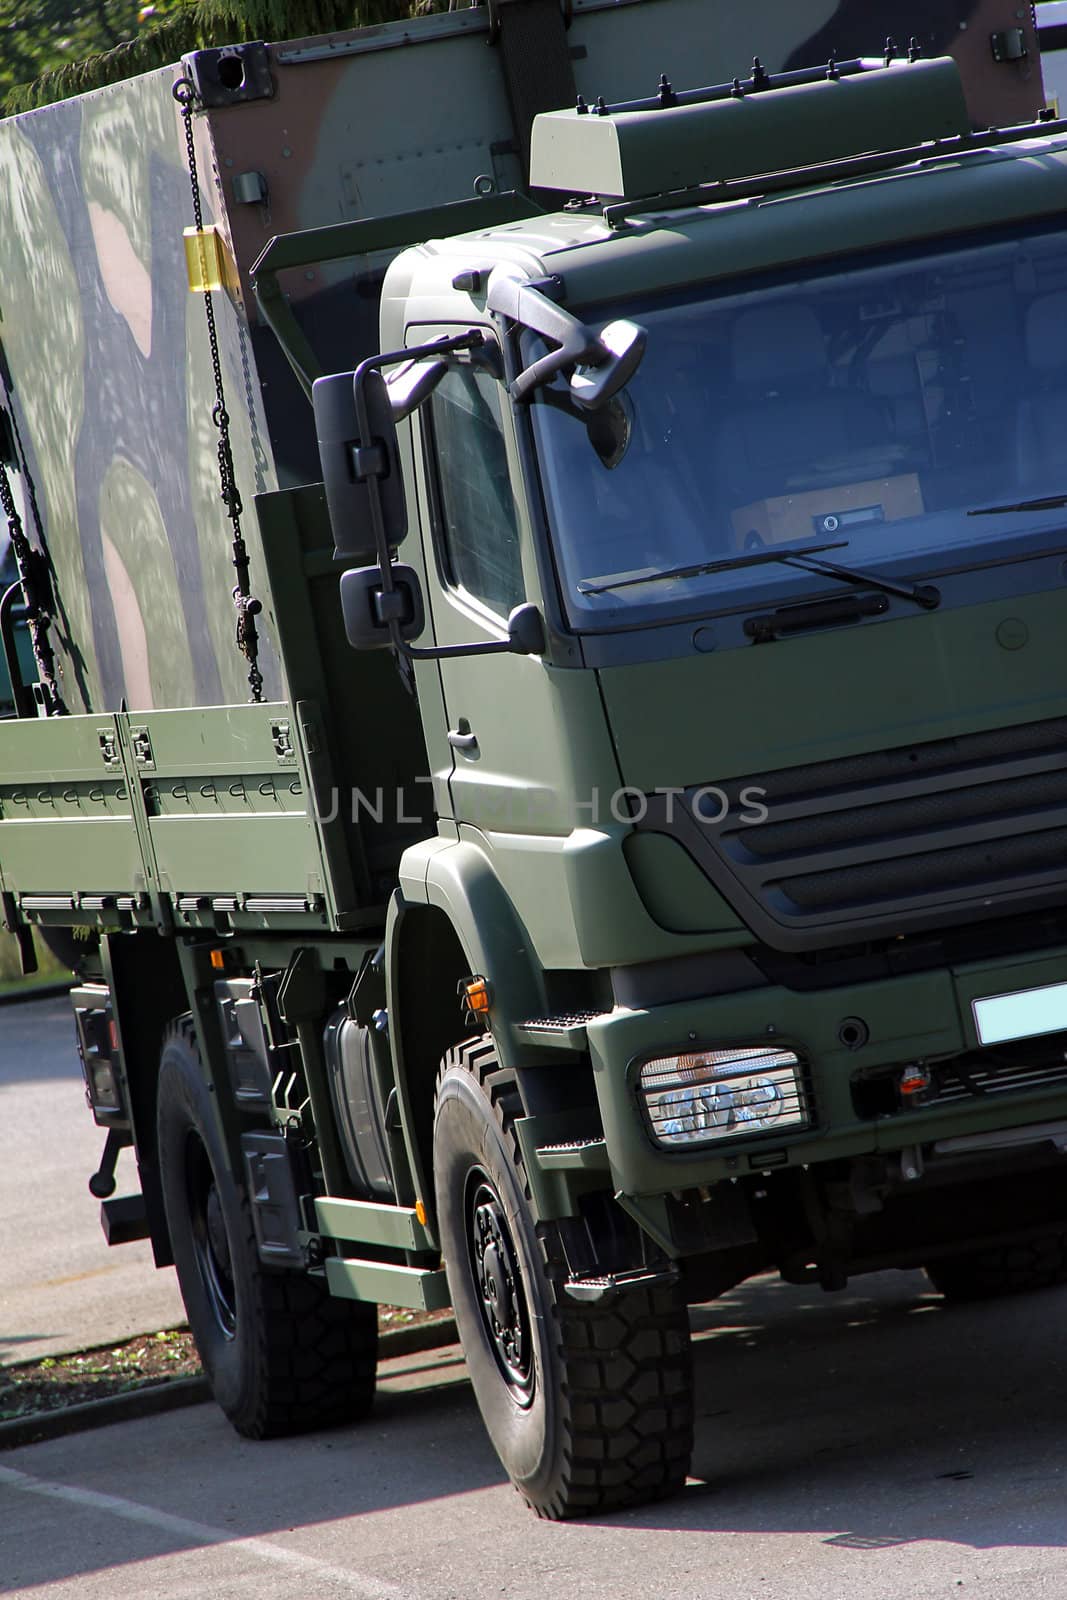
(50, 49)
(39, 35)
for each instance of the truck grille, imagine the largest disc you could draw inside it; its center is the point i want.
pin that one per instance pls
(888, 842)
(999, 1080)
(1031, 1066)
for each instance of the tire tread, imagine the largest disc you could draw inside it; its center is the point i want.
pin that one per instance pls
(628, 1400)
(315, 1358)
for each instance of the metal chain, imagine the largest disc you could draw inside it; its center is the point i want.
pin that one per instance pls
(36, 585)
(248, 608)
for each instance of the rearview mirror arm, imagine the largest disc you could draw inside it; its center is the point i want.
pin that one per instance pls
(526, 304)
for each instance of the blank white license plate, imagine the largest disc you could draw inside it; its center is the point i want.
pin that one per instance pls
(1022, 1015)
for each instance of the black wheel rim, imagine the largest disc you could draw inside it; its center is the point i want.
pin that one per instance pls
(499, 1287)
(211, 1243)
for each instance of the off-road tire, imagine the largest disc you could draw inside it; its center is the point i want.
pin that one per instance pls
(604, 1418)
(281, 1356)
(1039, 1263)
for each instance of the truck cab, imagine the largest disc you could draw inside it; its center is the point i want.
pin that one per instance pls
(792, 573)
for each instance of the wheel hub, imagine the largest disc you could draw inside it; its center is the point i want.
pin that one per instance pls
(503, 1302)
(496, 1285)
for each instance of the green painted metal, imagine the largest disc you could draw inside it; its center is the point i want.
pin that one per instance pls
(958, 679)
(562, 1162)
(369, 1223)
(551, 1036)
(627, 154)
(342, 240)
(592, 1156)
(386, 1285)
(925, 1015)
(66, 816)
(981, 187)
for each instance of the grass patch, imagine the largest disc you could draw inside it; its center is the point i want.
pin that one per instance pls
(57, 1381)
(49, 969)
(29, 1387)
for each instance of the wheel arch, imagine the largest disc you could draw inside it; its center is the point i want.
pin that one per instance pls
(451, 918)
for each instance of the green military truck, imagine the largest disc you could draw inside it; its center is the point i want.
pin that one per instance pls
(548, 714)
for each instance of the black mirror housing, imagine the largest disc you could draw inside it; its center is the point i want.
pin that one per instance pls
(370, 610)
(349, 461)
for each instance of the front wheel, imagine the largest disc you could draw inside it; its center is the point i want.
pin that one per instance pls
(589, 1407)
(280, 1354)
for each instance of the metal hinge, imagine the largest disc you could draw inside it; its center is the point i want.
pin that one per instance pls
(283, 743)
(109, 751)
(141, 745)
(1009, 45)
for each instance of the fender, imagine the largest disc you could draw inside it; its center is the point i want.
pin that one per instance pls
(449, 918)
(457, 878)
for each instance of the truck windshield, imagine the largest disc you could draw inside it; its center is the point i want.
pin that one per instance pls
(875, 404)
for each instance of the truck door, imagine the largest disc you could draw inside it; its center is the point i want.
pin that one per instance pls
(505, 771)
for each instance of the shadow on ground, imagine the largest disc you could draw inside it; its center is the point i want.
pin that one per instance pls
(869, 1419)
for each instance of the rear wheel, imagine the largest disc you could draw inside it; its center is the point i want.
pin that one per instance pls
(280, 1354)
(1007, 1269)
(589, 1406)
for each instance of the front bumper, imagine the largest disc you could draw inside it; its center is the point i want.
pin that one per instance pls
(918, 1017)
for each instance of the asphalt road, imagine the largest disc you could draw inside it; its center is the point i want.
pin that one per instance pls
(61, 1288)
(872, 1445)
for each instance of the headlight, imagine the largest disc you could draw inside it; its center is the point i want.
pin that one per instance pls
(723, 1094)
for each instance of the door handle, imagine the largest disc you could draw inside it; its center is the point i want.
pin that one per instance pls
(461, 738)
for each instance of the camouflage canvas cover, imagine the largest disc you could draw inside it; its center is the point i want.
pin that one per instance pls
(106, 362)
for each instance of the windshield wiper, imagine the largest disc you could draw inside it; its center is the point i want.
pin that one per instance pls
(750, 558)
(924, 595)
(1051, 502)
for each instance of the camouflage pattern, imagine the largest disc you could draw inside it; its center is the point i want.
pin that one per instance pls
(92, 195)
(108, 352)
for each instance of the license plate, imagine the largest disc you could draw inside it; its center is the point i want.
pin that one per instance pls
(1001, 1017)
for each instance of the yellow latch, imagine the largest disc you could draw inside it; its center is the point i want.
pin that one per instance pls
(208, 262)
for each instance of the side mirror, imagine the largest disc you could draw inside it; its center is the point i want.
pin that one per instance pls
(623, 344)
(348, 462)
(376, 618)
(369, 611)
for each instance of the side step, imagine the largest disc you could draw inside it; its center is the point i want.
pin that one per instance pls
(421, 1288)
(604, 1289)
(396, 1227)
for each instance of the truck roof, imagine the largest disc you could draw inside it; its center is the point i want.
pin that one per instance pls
(667, 246)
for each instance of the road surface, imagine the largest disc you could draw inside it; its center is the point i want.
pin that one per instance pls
(61, 1288)
(872, 1445)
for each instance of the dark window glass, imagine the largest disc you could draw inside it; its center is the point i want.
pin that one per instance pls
(877, 405)
(477, 509)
